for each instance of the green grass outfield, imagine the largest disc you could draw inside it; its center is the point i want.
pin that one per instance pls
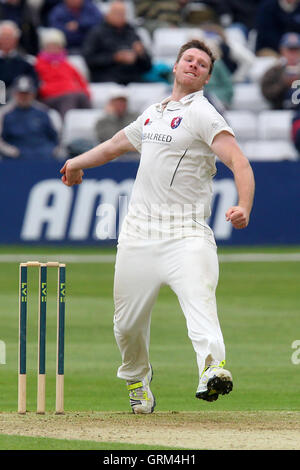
(258, 305)
(43, 443)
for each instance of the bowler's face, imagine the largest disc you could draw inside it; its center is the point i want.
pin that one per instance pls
(192, 70)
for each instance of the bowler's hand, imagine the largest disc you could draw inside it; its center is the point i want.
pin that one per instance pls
(238, 216)
(71, 176)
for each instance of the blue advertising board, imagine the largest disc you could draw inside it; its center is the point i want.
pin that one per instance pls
(36, 208)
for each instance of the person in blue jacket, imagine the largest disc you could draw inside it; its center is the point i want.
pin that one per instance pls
(274, 19)
(26, 130)
(75, 18)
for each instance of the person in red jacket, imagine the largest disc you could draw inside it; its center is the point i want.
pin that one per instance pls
(62, 87)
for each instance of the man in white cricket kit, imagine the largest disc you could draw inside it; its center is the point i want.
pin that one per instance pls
(165, 239)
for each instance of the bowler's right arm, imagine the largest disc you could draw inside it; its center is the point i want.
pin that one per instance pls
(72, 171)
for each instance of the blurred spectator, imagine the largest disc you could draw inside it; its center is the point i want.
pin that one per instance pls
(113, 50)
(45, 8)
(220, 85)
(276, 82)
(234, 12)
(62, 86)
(116, 116)
(274, 19)
(296, 131)
(21, 13)
(26, 128)
(154, 14)
(237, 57)
(75, 18)
(159, 72)
(12, 63)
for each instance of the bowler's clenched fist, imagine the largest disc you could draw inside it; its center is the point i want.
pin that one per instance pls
(71, 176)
(238, 216)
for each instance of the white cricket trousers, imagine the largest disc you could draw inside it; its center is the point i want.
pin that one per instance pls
(190, 267)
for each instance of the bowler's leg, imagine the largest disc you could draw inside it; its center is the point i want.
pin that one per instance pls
(136, 287)
(195, 284)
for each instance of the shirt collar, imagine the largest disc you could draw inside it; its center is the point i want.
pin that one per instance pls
(174, 104)
(191, 97)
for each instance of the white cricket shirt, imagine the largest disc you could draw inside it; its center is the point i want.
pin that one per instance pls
(172, 193)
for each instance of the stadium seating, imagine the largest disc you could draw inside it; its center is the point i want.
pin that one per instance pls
(275, 124)
(142, 95)
(56, 120)
(248, 96)
(80, 64)
(167, 41)
(265, 125)
(100, 93)
(260, 66)
(145, 37)
(269, 150)
(244, 124)
(263, 136)
(80, 124)
(262, 133)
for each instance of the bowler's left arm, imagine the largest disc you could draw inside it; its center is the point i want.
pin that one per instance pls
(226, 148)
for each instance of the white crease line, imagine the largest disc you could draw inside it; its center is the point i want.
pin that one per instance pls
(258, 257)
(15, 258)
(223, 258)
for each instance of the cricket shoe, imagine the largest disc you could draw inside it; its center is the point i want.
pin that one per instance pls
(142, 400)
(214, 381)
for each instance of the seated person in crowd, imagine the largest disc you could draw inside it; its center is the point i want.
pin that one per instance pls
(75, 18)
(276, 83)
(158, 14)
(117, 116)
(295, 134)
(237, 56)
(219, 89)
(12, 63)
(44, 9)
(235, 12)
(62, 87)
(23, 14)
(220, 84)
(26, 128)
(113, 50)
(274, 19)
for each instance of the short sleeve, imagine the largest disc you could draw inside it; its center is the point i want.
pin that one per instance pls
(134, 133)
(206, 123)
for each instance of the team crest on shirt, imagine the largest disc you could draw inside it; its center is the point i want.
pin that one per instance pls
(175, 122)
(147, 122)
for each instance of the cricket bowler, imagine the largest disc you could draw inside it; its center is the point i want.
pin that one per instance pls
(165, 238)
